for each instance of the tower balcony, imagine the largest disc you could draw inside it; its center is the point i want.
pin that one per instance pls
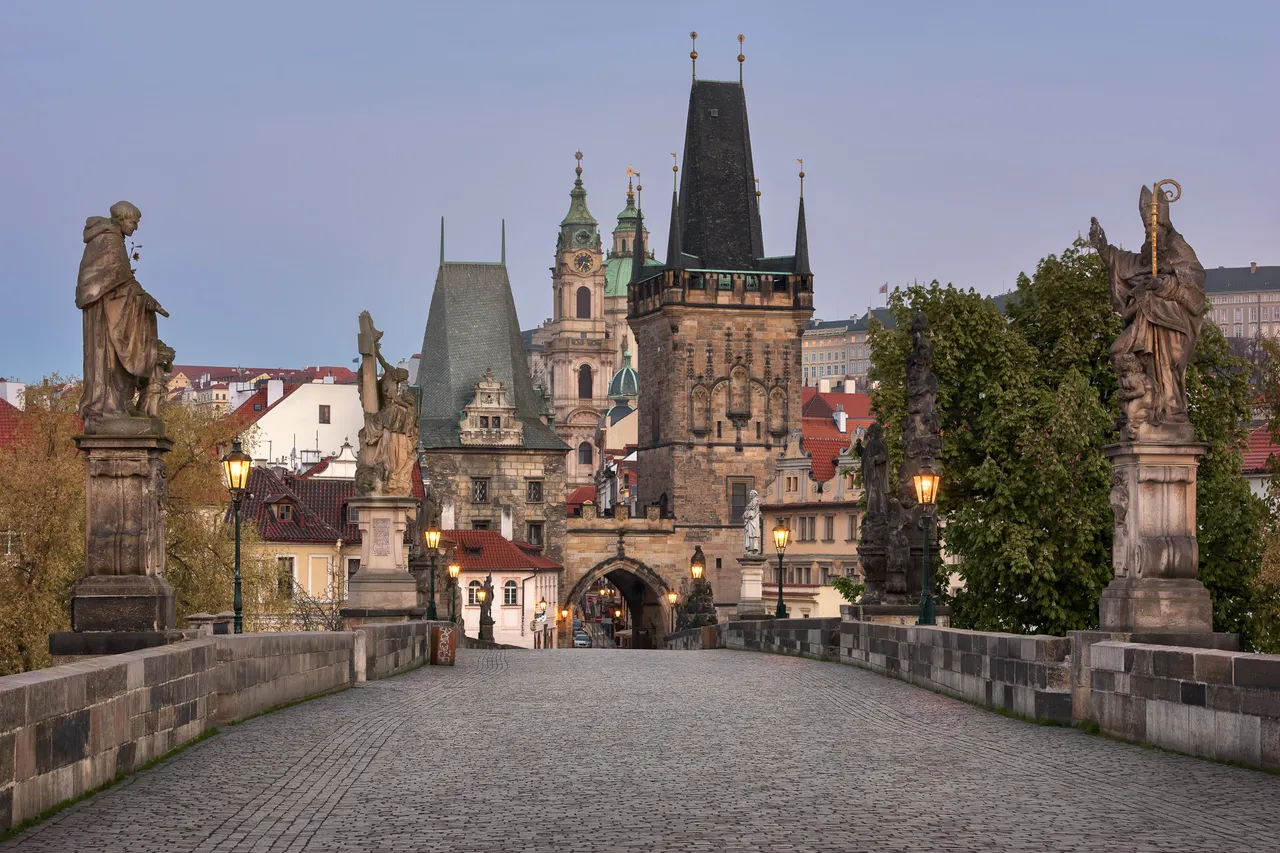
(715, 288)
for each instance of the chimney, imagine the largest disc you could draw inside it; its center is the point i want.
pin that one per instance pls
(824, 386)
(842, 417)
(507, 526)
(328, 379)
(1253, 267)
(275, 390)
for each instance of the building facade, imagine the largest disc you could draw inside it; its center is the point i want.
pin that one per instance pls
(1244, 302)
(839, 351)
(490, 458)
(522, 578)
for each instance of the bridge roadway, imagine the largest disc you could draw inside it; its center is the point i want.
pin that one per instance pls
(613, 750)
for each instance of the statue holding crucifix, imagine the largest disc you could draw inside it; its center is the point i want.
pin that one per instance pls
(384, 465)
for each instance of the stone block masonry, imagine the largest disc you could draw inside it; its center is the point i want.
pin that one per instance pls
(69, 729)
(810, 638)
(1216, 704)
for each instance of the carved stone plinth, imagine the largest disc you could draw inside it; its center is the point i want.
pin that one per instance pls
(383, 590)
(1156, 555)
(123, 592)
(751, 593)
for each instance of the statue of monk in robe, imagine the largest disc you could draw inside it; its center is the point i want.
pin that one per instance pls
(1162, 316)
(389, 438)
(121, 348)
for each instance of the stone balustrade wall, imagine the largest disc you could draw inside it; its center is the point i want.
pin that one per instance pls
(1217, 704)
(811, 638)
(69, 729)
(706, 637)
(1026, 675)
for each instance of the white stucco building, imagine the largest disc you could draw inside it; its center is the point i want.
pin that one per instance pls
(298, 425)
(522, 578)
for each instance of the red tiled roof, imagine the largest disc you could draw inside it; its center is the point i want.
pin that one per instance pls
(319, 507)
(823, 440)
(485, 550)
(581, 495)
(1258, 452)
(10, 423)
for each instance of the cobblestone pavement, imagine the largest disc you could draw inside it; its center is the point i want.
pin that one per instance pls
(609, 750)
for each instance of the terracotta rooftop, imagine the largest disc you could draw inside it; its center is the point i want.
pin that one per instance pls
(10, 422)
(485, 550)
(823, 440)
(1259, 450)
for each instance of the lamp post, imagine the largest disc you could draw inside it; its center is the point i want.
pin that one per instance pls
(781, 535)
(927, 483)
(672, 597)
(236, 465)
(432, 537)
(454, 571)
(697, 568)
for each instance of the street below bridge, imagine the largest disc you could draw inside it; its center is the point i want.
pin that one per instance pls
(609, 750)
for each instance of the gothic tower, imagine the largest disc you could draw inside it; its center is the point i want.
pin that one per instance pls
(617, 275)
(718, 330)
(578, 353)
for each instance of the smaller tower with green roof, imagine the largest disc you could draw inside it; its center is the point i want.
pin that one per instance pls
(617, 274)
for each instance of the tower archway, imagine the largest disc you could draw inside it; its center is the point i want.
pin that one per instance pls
(643, 590)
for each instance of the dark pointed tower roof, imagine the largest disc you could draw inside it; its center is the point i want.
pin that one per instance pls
(719, 218)
(673, 237)
(472, 328)
(802, 242)
(638, 250)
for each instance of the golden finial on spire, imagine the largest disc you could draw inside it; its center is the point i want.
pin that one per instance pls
(801, 162)
(741, 57)
(675, 169)
(630, 192)
(757, 194)
(577, 155)
(639, 190)
(693, 54)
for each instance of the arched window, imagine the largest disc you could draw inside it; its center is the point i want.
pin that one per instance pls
(472, 589)
(585, 453)
(584, 382)
(584, 303)
(510, 594)
(624, 245)
(664, 509)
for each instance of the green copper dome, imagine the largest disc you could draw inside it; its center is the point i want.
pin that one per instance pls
(625, 384)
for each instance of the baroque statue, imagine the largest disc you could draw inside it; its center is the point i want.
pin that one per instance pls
(751, 524)
(875, 471)
(389, 437)
(125, 362)
(1162, 306)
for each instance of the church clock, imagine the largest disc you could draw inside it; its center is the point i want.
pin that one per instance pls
(583, 262)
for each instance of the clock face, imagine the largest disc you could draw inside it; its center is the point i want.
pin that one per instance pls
(582, 237)
(582, 262)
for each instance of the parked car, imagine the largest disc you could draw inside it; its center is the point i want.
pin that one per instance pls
(581, 641)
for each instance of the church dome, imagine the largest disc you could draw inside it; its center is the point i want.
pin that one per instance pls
(625, 384)
(617, 413)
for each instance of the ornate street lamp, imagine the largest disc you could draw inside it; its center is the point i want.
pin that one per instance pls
(672, 597)
(432, 537)
(781, 536)
(697, 568)
(236, 465)
(927, 484)
(542, 605)
(697, 563)
(454, 571)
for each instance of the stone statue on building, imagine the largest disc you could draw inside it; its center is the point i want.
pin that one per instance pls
(389, 438)
(486, 610)
(123, 356)
(1162, 316)
(881, 506)
(921, 450)
(751, 534)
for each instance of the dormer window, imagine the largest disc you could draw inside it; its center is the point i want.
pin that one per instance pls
(284, 512)
(496, 422)
(484, 422)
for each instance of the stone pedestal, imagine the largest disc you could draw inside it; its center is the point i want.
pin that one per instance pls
(123, 603)
(383, 590)
(751, 593)
(1156, 556)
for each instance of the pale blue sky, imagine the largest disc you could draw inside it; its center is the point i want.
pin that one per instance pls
(292, 161)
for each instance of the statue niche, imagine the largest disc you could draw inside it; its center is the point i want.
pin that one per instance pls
(700, 410)
(739, 408)
(778, 411)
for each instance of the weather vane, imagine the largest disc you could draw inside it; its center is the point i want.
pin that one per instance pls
(741, 57)
(1172, 196)
(801, 162)
(693, 54)
(675, 169)
(577, 155)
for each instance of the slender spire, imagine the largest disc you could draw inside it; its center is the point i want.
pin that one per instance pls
(441, 241)
(741, 57)
(693, 54)
(802, 243)
(674, 257)
(637, 257)
(504, 241)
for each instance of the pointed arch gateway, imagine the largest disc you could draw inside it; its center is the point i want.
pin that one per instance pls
(643, 589)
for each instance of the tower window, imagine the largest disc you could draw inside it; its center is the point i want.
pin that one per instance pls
(584, 382)
(584, 303)
(624, 245)
(585, 453)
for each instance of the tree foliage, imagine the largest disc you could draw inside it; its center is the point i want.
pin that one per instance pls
(42, 516)
(1026, 401)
